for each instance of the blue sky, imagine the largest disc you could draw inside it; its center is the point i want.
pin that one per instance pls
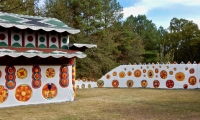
(162, 11)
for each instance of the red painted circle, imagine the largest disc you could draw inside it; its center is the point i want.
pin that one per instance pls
(2, 37)
(53, 39)
(30, 38)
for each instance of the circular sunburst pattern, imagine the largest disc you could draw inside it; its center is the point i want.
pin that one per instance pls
(115, 83)
(50, 72)
(171, 72)
(150, 73)
(107, 76)
(100, 83)
(22, 73)
(137, 73)
(192, 80)
(129, 73)
(49, 91)
(144, 83)
(156, 70)
(163, 74)
(170, 83)
(122, 74)
(3, 94)
(144, 70)
(156, 83)
(191, 70)
(23, 93)
(114, 73)
(129, 83)
(180, 76)
(185, 86)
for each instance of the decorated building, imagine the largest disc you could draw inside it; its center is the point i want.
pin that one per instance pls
(37, 62)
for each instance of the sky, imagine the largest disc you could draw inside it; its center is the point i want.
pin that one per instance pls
(162, 11)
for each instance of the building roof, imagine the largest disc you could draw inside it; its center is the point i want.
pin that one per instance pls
(43, 53)
(9, 20)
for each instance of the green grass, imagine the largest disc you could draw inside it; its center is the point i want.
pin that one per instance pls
(115, 104)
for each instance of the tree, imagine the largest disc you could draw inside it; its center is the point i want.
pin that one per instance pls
(149, 34)
(185, 39)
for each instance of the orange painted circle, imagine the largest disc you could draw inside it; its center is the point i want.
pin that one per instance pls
(50, 72)
(115, 83)
(10, 70)
(107, 76)
(163, 74)
(36, 70)
(23, 93)
(64, 81)
(192, 80)
(49, 93)
(3, 94)
(150, 73)
(180, 76)
(37, 76)
(137, 73)
(114, 73)
(156, 83)
(36, 82)
(122, 74)
(65, 69)
(10, 77)
(22, 73)
(10, 84)
(64, 75)
(129, 73)
(144, 83)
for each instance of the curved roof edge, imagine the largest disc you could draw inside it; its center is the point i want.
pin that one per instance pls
(60, 30)
(83, 45)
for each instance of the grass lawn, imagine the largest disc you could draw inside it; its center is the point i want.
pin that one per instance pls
(115, 104)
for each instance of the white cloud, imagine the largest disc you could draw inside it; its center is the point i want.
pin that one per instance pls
(144, 6)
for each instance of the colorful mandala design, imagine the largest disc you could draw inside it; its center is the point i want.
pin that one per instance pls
(191, 71)
(3, 94)
(144, 83)
(115, 83)
(114, 73)
(36, 77)
(23, 93)
(150, 73)
(22, 73)
(171, 72)
(163, 74)
(100, 83)
(185, 86)
(144, 70)
(156, 70)
(170, 83)
(129, 83)
(49, 91)
(107, 76)
(180, 76)
(89, 85)
(50, 72)
(192, 80)
(64, 77)
(156, 83)
(129, 73)
(83, 86)
(122, 74)
(137, 73)
(10, 77)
